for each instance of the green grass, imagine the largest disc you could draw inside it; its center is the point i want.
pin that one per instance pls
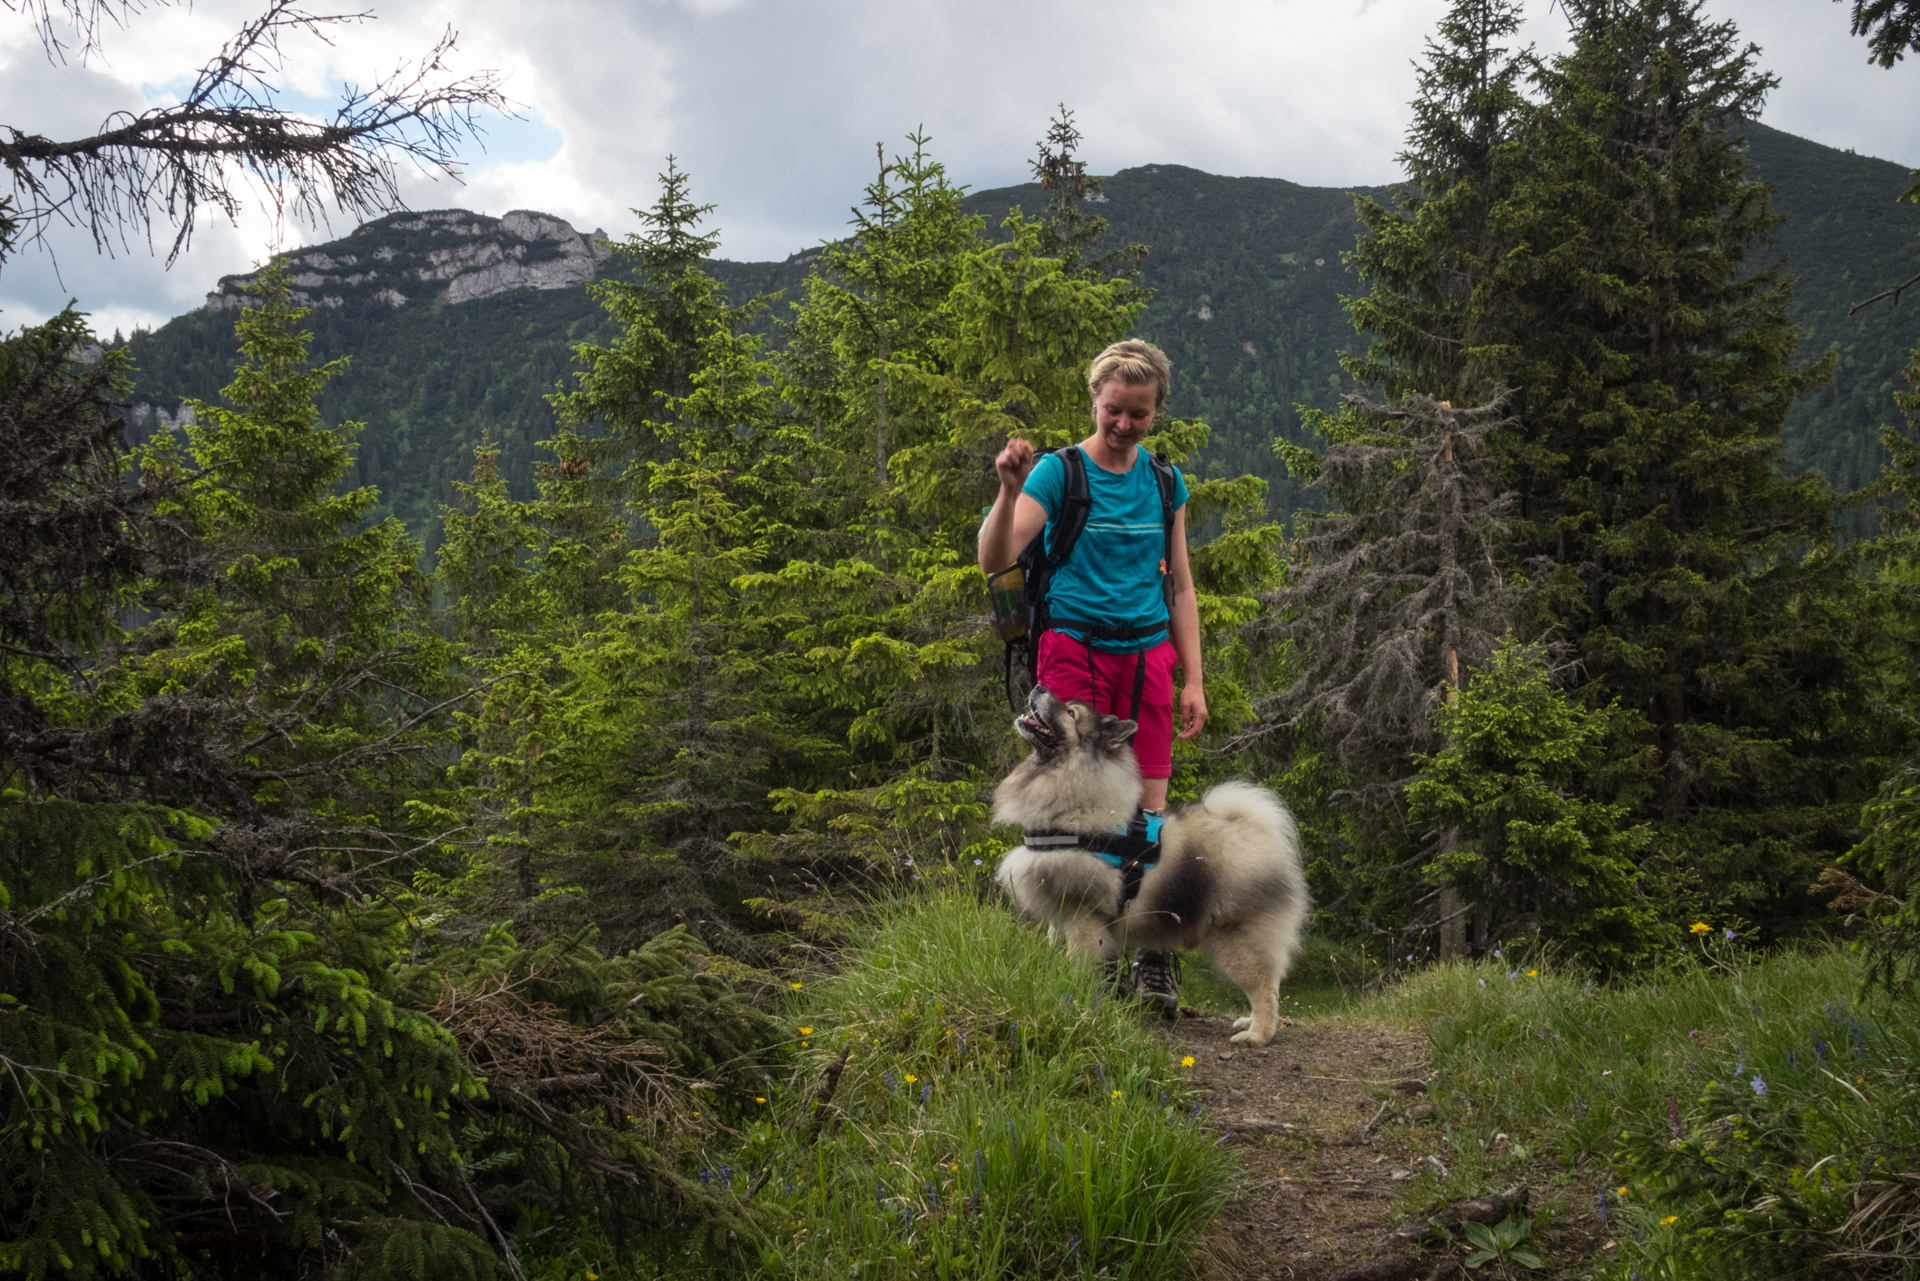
(997, 1117)
(1649, 1088)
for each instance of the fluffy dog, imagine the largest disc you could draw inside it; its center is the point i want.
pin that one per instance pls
(1228, 882)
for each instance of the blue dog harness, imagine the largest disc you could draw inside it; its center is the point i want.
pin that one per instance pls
(1133, 855)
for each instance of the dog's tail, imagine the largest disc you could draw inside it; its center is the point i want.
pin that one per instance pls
(1245, 803)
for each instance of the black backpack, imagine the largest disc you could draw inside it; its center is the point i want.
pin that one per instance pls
(1019, 592)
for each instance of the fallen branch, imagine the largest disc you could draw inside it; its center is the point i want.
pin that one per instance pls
(1486, 1209)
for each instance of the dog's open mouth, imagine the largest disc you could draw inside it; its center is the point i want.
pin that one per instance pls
(1035, 730)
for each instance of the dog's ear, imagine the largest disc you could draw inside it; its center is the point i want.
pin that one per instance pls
(1118, 732)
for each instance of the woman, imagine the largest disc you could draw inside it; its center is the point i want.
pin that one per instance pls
(1114, 577)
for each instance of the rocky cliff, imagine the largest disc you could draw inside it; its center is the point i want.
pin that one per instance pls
(447, 254)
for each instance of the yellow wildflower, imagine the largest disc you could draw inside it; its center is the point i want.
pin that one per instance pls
(1700, 927)
(806, 1031)
(794, 986)
(1621, 1191)
(1533, 974)
(1187, 1061)
(1670, 1220)
(759, 1100)
(911, 1078)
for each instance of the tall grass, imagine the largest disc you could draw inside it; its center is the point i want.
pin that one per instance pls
(996, 1117)
(1746, 1111)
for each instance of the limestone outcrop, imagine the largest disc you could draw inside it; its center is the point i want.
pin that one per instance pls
(452, 254)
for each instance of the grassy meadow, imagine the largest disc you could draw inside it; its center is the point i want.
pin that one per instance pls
(1726, 1115)
(996, 1117)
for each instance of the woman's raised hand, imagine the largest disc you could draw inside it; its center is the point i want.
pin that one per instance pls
(1013, 463)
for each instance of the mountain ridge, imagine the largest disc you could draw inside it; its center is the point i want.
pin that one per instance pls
(1247, 278)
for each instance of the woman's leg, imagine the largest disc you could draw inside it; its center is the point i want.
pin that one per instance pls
(1153, 742)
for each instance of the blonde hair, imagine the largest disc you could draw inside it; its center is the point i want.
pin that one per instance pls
(1136, 363)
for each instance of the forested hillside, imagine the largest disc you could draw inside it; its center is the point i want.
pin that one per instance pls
(1246, 276)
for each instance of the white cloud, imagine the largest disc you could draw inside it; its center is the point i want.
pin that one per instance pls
(774, 105)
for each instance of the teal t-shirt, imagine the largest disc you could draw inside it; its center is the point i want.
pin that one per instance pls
(1113, 575)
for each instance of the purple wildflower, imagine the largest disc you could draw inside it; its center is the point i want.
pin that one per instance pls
(1759, 1085)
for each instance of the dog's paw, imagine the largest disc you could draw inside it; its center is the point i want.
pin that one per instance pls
(1248, 1038)
(1242, 1023)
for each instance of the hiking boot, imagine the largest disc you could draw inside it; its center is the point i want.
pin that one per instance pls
(1153, 982)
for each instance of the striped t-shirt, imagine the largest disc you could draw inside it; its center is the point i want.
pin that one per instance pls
(1113, 575)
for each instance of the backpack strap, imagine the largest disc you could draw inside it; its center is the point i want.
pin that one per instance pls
(1075, 506)
(1169, 481)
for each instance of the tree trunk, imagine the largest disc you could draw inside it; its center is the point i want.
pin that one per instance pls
(1453, 926)
(880, 430)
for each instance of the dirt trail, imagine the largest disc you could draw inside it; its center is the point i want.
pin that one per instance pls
(1321, 1155)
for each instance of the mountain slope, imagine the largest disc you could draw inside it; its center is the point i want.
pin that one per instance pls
(1247, 275)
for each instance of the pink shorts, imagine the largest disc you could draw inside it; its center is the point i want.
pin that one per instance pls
(1072, 671)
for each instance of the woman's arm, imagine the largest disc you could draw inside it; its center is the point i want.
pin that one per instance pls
(1184, 624)
(1016, 517)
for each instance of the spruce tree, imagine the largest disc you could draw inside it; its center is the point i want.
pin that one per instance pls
(1531, 855)
(1074, 232)
(1429, 262)
(634, 708)
(1597, 249)
(877, 297)
(1702, 586)
(234, 1046)
(1389, 606)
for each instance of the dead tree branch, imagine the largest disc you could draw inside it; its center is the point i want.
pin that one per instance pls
(1893, 293)
(227, 138)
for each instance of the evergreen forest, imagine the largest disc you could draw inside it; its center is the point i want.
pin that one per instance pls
(601, 885)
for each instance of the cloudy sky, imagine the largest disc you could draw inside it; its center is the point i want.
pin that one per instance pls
(775, 106)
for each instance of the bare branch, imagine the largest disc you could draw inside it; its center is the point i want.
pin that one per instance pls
(1893, 293)
(228, 135)
(85, 17)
